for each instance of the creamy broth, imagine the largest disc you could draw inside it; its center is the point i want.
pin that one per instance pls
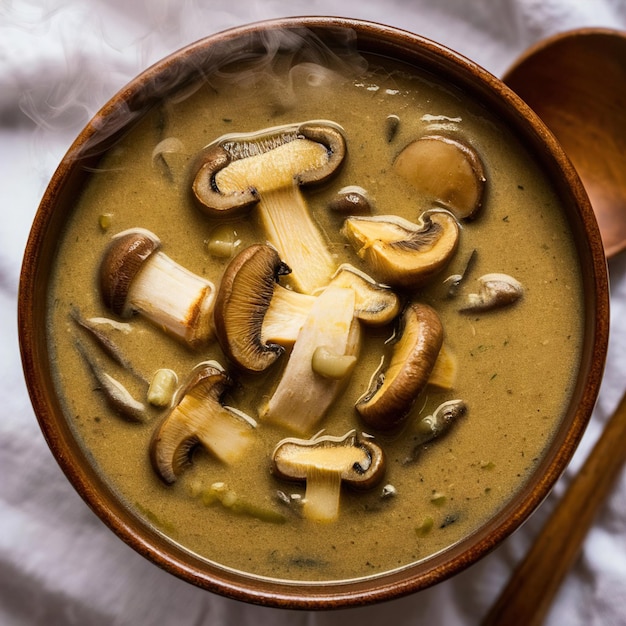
(516, 364)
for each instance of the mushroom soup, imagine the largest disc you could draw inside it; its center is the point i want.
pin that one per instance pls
(315, 326)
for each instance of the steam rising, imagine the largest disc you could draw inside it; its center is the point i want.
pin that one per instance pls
(281, 58)
(63, 59)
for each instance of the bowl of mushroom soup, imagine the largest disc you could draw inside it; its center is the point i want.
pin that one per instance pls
(314, 313)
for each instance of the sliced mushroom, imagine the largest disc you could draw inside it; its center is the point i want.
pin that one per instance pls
(392, 124)
(267, 169)
(436, 424)
(329, 364)
(376, 304)
(324, 462)
(447, 171)
(401, 253)
(351, 200)
(388, 401)
(198, 418)
(136, 277)
(117, 396)
(303, 396)
(248, 293)
(495, 291)
(439, 422)
(95, 327)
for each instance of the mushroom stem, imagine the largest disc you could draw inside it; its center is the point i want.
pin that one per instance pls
(290, 228)
(444, 372)
(322, 494)
(174, 298)
(285, 316)
(302, 396)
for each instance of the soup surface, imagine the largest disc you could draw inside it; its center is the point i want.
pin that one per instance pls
(515, 364)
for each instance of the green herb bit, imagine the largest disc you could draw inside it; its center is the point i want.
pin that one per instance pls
(425, 527)
(438, 498)
(154, 519)
(222, 494)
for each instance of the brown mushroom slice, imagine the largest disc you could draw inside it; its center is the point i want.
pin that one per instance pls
(324, 462)
(447, 171)
(303, 396)
(440, 420)
(117, 396)
(401, 253)
(198, 418)
(136, 277)
(351, 200)
(267, 169)
(100, 330)
(376, 304)
(390, 398)
(436, 424)
(495, 291)
(248, 292)
(256, 318)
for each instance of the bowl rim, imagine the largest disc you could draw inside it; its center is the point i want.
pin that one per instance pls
(374, 38)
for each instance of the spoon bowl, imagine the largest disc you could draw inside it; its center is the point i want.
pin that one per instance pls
(576, 82)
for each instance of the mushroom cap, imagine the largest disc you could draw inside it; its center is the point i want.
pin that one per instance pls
(359, 461)
(329, 135)
(243, 297)
(445, 170)
(351, 200)
(254, 148)
(402, 253)
(496, 290)
(387, 403)
(122, 261)
(212, 159)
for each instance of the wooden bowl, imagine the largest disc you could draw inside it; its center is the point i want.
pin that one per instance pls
(113, 120)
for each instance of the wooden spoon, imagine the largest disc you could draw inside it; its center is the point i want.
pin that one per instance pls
(576, 82)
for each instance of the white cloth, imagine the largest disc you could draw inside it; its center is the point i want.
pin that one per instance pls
(60, 60)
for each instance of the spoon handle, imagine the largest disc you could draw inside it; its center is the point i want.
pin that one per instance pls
(526, 599)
